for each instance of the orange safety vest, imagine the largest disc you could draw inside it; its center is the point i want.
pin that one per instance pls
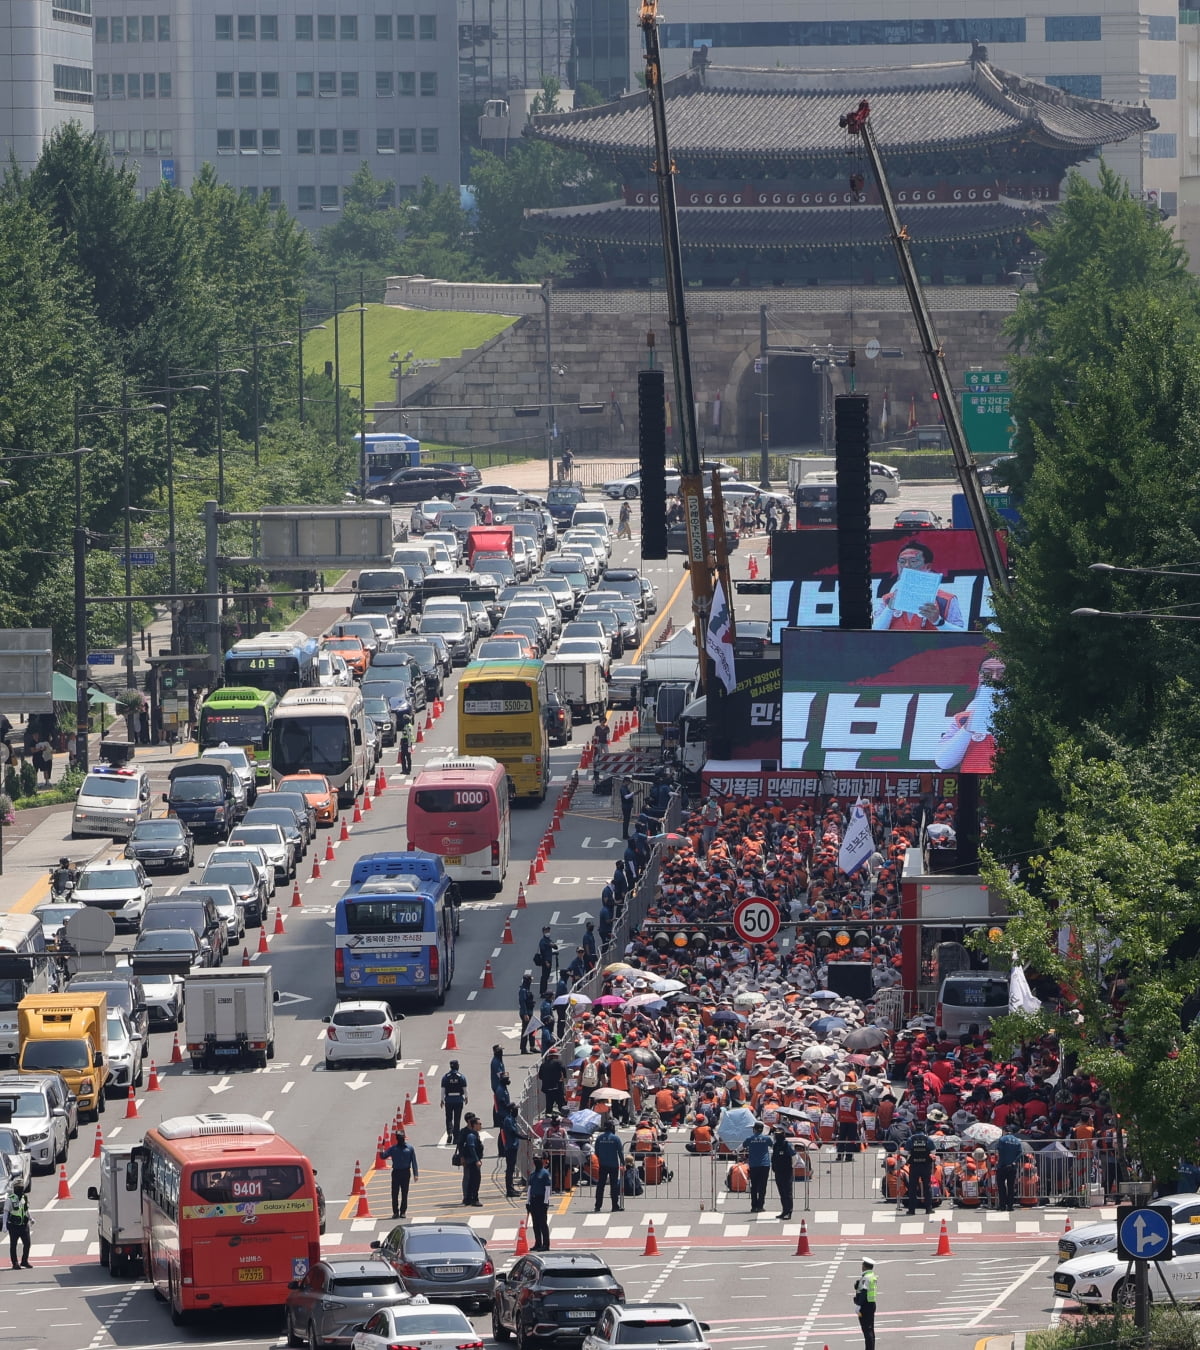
(644, 1141)
(618, 1076)
(847, 1109)
(702, 1137)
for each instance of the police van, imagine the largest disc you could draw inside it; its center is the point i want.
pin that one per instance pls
(111, 801)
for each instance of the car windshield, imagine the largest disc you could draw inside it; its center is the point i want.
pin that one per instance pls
(53, 914)
(418, 1244)
(501, 649)
(377, 708)
(24, 1105)
(10, 1141)
(120, 995)
(117, 1030)
(157, 829)
(109, 785)
(197, 790)
(668, 1331)
(107, 879)
(229, 755)
(55, 1055)
(441, 623)
(166, 939)
(231, 874)
(158, 986)
(580, 647)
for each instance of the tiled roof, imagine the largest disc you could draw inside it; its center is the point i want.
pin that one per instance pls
(615, 224)
(723, 112)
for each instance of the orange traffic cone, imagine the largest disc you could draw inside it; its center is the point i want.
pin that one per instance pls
(316, 872)
(651, 1241)
(131, 1104)
(539, 861)
(420, 734)
(64, 1186)
(488, 981)
(1068, 1226)
(329, 854)
(522, 1247)
(522, 903)
(345, 832)
(451, 1038)
(943, 1247)
(422, 1097)
(364, 1206)
(507, 940)
(555, 821)
(428, 720)
(176, 1052)
(802, 1247)
(278, 930)
(152, 1083)
(531, 880)
(356, 1186)
(357, 817)
(367, 799)
(408, 1117)
(380, 781)
(296, 901)
(245, 956)
(263, 945)
(99, 1142)
(380, 1161)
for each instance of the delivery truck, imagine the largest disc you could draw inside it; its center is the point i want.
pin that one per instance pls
(229, 1017)
(119, 1213)
(68, 1034)
(489, 539)
(885, 478)
(581, 686)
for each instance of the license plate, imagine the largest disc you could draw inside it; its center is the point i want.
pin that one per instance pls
(386, 979)
(1061, 1287)
(252, 1275)
(360, 1035)
(226, 1050)
(581, 1316)
(449, 1270)
(453, 860)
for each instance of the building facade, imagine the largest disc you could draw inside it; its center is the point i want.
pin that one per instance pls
(45, 73)
(285, 98)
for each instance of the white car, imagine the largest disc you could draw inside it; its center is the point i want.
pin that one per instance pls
(275, 846)
(125, 1051)
(362, 1029)
(52, 916)
(589, 560)
(631, 485)
(1102, 1279)
(164, 1000)
(333, 672)
(451, 540)
(240, 762)
(15, 1161)
(421, 1325)
(586, 649)
(119, 886)
(1102, 1237)
(443, 563)
(649, 1326)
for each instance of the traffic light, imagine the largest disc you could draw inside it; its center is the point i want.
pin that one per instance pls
(699, 942)
(824, 940)
(852, 448)
(662, 942)
(652, 461)
(861, 940)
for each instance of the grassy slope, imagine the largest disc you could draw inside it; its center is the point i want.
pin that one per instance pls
(388, 329)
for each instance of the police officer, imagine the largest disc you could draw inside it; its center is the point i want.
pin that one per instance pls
(470, 1150)
(920, 1173)
(546, 950)
(590, 947)
(496, 1069)
(552, 1076)
(16, 1221)
(783, 1169)
(628, 797)
(403, 1159)
(758, 1158)
(525, 1006)
(511, 1135)
(454, 1098)
(864, 1301)
(404, 744)
(537, 1203)
(610, 1154)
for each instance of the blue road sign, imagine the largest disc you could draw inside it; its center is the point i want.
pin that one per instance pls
(102, 658)
(138, 557)
(1145, 1234)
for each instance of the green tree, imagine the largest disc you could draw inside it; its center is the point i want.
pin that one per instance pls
(437, 236)
(368, 229)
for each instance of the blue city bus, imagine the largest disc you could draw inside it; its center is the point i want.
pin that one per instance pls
(388, 452)
(273, 661)
(394, 930)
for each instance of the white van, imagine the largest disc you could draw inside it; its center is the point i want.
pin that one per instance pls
(111, 802)
(971, 998)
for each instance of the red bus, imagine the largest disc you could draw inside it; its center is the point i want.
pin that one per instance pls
(229, 1210)
(459, 809)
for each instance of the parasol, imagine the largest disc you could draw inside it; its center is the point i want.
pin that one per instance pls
(644, 1000)
(584, 1122)
(735, 1125)
(609, 1001)
(668, 986)
(749, 998)
(619, 968)
(726, 1018)
(646, 1057)
(982, 1132)
(827, 994)
(789, 1111)
(824, 1025)
(865, 1038)
(609, 1095)
(572, 1000)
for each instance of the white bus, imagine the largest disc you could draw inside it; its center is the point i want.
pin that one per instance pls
(322, 731)
(25, 968)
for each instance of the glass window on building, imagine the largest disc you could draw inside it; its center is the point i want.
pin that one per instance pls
(164, 84)
(306, 141)
(1162, 27)
(405, 28)
(427, 27)
(1162, 145)
(149, 86)
(348, 27)
(383, 28)
(387, 195)
(118, 86)
(349, 142)
(102, 86)
(327, 140)
(166, 141)
(1083, 86)
(135, 142)
(406, 142)
(385, 141)
(247, 27)
(152, 141)
(147, 27)
(304, 84)
(429, 84)
(248, 141)
(273, 195)
(164, 28)
(247, 84)
(1072, 28)
(119, 140)
(306, 199)
(224, 83)
(384, 84)
(131, 30)
(1162, 86)
(268, 27)
(100, 31)
(270, 141)
(429, 140)
(117, 29)
(133, 87)
(225, 142)
(304, 28)
(327, 83)
(223, 30)
(326, 27)
(329, 198)
(406, 83)
(269, 86)
(349, 84)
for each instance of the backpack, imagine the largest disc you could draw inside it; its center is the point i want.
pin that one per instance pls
(632, 1183)
(589, 1075)
(537, 958)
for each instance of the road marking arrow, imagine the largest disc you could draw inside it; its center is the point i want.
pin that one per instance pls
(355, 1083)
(604, 843)
(583, 917)
(285, 998)
(222, 1086)
(510, 1032)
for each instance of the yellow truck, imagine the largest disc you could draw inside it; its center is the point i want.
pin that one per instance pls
(67, 1034)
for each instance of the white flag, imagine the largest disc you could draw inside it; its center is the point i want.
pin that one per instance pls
(857, 843)
(1020, 997)
(884, 416)
(718, 639)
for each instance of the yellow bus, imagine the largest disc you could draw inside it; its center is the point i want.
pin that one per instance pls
(501, 713)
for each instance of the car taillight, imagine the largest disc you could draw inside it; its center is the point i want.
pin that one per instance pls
(470, 1345)
(395, 1345)
(331, 1033)
(488, 1269)
(495, 853)
(434, 965)
(387, 1028)
(186, 1267)
(339, 963)
(408, 1270)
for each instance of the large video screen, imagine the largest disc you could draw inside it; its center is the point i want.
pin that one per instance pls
(891, 702)
(920, 580)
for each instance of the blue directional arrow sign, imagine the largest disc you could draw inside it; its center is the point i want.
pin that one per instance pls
(1144, 1234)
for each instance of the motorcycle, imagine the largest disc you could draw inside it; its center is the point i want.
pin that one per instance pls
(62, 883)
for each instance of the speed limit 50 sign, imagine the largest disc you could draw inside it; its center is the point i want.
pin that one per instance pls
(755, 920)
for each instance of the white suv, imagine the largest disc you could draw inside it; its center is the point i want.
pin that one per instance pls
(648, 1326)
(118, 885)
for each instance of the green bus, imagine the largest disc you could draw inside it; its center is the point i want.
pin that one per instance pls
(237, 715)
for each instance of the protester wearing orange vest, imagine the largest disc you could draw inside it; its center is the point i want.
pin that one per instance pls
(848, 1114)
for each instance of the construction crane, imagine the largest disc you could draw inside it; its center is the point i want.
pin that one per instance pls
(858, 123)
(691, 484)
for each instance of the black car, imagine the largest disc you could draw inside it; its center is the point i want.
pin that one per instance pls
(553, 1296)
(419, 485)
(469, 474)
(753, 637)
(425, 654)
(677, 539)
(162, 843)
(561, 501)
(557, 716)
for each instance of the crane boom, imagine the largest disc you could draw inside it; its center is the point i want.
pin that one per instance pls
(691, 484)
(858, 123)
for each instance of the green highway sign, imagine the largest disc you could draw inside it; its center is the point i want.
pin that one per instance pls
(985, 413)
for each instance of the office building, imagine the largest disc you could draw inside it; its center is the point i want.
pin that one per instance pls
(45, 73)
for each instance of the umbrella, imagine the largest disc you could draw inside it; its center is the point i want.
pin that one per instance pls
(584, 1122)
(735, 1125)
(861, 1060)
(609, 1095)
(825, 994)
(644, 1000)
(983, 1132)
(725, 1018)
(670, 841)
(789, 1111)
(824, 1025)
(865, 1038)
(749, 998)
(619, 968)
(818, 1054)
(573, 1000)
(646, 1057)
(608, 1001)
(668, 986)
(686, 1001)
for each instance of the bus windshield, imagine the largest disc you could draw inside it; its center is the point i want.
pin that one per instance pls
(315, 744)
(385, 916)
(238, 728)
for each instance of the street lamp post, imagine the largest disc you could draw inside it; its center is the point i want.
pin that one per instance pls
(300, 332)
(127, 536)
(546, 294)
(79, 555)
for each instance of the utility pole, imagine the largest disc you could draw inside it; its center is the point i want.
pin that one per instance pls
(362, 389)
(547, 286)
(212, 599)
(79, 554)
(337, 370)
(127, 537)
(764, 404)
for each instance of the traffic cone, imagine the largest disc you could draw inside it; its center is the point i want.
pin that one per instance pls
(943, 1247)
(367, 798)
(316, 872)
(488, 981)
(357, 817)
(152, 1083)
(329, 854)
(380, 1161)
(64, 1186)
(422, 1097)
(263, 945)
(245, 956)
(1069, 1225)
(176, 1052)
(296, 901)
(380, 781)
(531, 879)
(420, 735)
(802, 1247)
(364, 1206)
(522, 903)
(451, 1038)
(356, 1186)
(651, 1241)
(522, 1247)
(408, 1118)
(428, 720)
(555, 822)
(99, 1142)
(130, 1104)
(507, 939)
(345, 832)
(278, 929)
(539, 861)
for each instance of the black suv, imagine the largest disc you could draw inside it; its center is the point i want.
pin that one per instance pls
(561, 501)
(553, 1296)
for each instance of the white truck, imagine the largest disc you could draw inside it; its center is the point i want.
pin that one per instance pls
(580, 684)
(119, 1221)
(229, 1017)
(885, 479)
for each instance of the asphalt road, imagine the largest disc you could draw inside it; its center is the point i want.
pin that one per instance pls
(738, 1271)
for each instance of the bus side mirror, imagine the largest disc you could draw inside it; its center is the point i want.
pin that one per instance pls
(275, 996)
(93, 1193)
(131, 1175)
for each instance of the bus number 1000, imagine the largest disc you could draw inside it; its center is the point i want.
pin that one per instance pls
(470, 798)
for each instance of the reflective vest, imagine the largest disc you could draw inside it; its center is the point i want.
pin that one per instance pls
(847, 1109)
